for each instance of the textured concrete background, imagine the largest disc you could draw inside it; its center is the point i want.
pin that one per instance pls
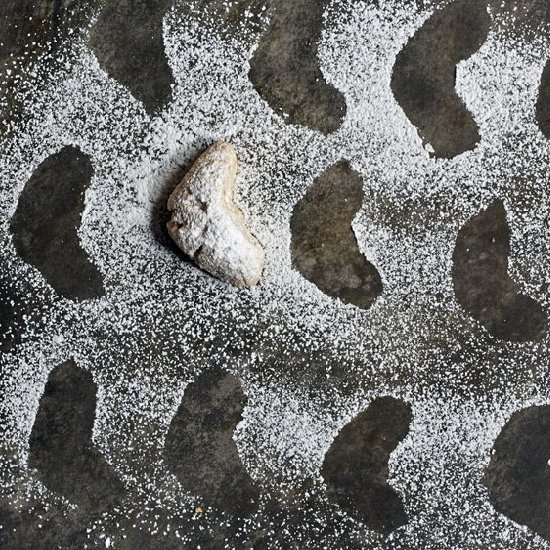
(127, 41)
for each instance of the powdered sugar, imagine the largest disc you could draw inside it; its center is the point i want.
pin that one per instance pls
(307, 362)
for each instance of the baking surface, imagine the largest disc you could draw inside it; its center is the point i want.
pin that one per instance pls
(386, 385)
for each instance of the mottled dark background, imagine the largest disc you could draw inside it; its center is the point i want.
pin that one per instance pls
(127, 40)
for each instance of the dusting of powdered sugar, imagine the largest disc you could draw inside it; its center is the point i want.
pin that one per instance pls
(206, 225)
(307, 363)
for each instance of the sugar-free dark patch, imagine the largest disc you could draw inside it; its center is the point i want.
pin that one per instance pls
(200, 449)
(61, 449)
(355, 468)
(518, 476)
(25, 528)
(543, 102)
(482, 284)
(285, 68)
(324, 247)
(162, 328)
(45, 224)
(131, 537)
(128, 42)
(424, 76)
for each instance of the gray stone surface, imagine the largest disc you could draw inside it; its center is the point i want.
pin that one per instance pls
(61, 447)
(200, 449)
(482, 284)
(45, 224)
(324, 248)
(30, 29)
(517, 477)
(423, 79)
(128, 43)
(285, 69)
(355, 468)
(127, 40)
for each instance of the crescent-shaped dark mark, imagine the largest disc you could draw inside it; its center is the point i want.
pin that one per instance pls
(355, 468)
(518, 476)
(61, 447)
(424, 76)
(44, 226)
(543, 102)
(200, 449)
(323, 246)
(285, 68)
(482, 285)
(128, 43)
